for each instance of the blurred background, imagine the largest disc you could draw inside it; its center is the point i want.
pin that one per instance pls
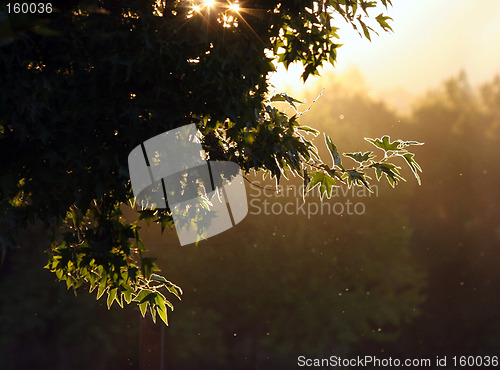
(411, 274)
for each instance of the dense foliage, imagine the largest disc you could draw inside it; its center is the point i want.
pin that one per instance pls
(83, 85)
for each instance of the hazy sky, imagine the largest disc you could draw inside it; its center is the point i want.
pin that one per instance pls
(432, 40)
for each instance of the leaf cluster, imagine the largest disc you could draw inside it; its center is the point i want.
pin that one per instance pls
(106, 253)
(326, 177)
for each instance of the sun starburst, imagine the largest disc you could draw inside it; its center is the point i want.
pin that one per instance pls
(235, 7)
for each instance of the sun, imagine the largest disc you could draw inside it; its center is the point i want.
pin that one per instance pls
(235, 7)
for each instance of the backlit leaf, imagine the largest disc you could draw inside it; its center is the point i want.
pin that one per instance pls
(325, 183)
(337, 160)
(385, 143)
(360, 157)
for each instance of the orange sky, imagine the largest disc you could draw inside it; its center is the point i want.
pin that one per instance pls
(432, 40)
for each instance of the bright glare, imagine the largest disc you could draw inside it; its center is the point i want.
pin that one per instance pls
(234, 7)
(209, 3)
(196, 8)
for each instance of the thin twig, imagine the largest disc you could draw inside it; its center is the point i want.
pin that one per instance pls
(258, 186)
(313, 102)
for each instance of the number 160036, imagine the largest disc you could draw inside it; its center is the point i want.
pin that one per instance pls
(475, 361)
(29, 8)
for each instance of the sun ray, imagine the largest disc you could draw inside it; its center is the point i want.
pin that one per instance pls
(240, 10)
(209, 3)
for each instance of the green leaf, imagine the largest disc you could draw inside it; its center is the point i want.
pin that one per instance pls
(390, 170)
(91, 278)
(149, 298)
(143, 295)
(143, 307)
(144, 298)
(111, 297)
(366, 31)
(385, 143)
(337, 161)
(127, 294)
(69, 283)
(101, 289)
(360, 157)
(354, 8)
(283, 97)
(309, 130)
(325, 182)
(354, 177)
(175, 290)
(408, 143)
(161, 309)
(171, 287)
(368, 4)
(152, 310)
(159, 278)
(169, 304)
(414, 166)
(119, 300)
(382, 20)
(92, 287)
